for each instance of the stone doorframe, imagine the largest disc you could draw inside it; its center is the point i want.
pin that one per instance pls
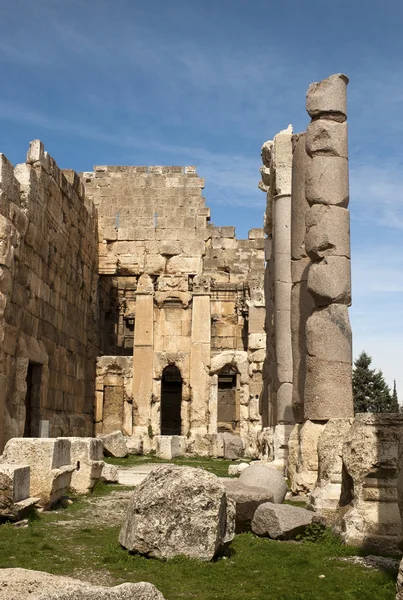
(239, 360)
(180, 360)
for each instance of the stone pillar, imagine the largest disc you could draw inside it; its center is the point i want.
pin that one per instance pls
(328, 387)
(276, 180)
(301, 300)
(200, 356)
(143, 354)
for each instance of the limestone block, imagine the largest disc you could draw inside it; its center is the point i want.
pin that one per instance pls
(327, 138)
(86, 454)
(236, 470)
(164, 446)
(328, 390)
(328, 334)
(184, 264)
(328, 97)
(281, 522)
(24, 584)
(328, 232)
(293, 454)
(266, 476)
(134, 444)
(256, 341)
(327, 181)
(369, 514)
(178, 511)
(114, 444)
(266, 153)
(14, 491)
(281, 436)
(50, 465)
(110, 473)
(233, 446)
(9, 238)
(247, 498)
(326, 495)
(329, 281)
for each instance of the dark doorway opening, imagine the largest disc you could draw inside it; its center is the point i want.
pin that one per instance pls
(171, 401)
(32, 400)
(227, 413)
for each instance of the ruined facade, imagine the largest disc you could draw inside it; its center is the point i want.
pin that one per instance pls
(122, 307)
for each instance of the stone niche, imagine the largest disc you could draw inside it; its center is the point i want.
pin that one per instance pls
(114, 400)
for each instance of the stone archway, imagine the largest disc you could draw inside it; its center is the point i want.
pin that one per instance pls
(171, 401)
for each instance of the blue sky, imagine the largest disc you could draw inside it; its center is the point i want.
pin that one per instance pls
(206, 83)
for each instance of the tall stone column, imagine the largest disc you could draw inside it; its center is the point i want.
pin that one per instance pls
(143, 354)
(301, 300)
(328, 387)
(200, 356)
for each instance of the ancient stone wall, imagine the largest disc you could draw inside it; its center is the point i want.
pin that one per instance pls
(175, 291)
(49, 316)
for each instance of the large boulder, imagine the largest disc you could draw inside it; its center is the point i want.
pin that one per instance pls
(179, 511)
(114, 444)
(280, 522)
(23, 584)
(264, 476)
(247, 499)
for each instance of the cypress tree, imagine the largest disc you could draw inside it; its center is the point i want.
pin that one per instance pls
(370, 390)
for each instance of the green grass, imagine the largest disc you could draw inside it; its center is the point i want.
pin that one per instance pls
(218, 466)
(252, 569)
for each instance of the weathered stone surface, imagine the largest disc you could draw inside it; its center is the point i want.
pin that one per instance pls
(280, 522)
(328, 98)
(134, 445)
(299, 202)
(178, 511)
(326, 495)
(329, 281)
(114, 444)
(260, 475)
(399, 584)
(326, 138)
(328, 232)
(23, 584)
(303, 460)
(110, 473)
(328, 334)
(326, 181)
(235, 470)
(247, 498)
(86, 455)
(369, 513)
(14, 491)
(233, 446)
(328, 390)
(50, 465)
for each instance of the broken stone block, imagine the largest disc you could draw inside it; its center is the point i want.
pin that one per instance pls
(280, 522)
(109, 473)
(114, 444)
(327, 182)
(235, 470)
(303, 458)
(87, 457)
(233, 446)
(178, 511)
(14, 491)
(50, 465)
(328, 98)
(329, 281)
(327, 232)
(326, 138)
(326, 495)
(368, 510)
(265, 476)
(134, 444)
(247, 498)
(24, 584)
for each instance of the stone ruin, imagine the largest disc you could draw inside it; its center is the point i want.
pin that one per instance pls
(123, 308)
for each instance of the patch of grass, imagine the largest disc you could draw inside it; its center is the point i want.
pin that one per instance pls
(253, 568)
(218, 466)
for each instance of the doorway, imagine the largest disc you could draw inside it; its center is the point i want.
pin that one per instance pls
(227, 410)
(32, 400)
(171, 401)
